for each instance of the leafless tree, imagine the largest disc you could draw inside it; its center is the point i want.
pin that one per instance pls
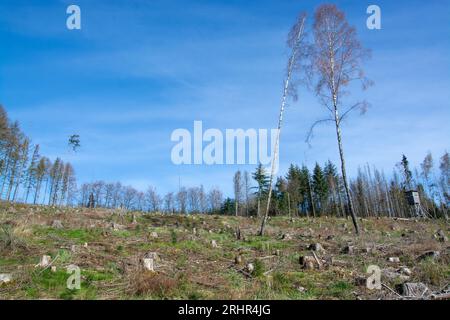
(202, 199)
(98, 189)
(169, 206)
(295, 41)
(68, 185)
(182, 200)
(31, 172)
(152, 199)
(444, 180)
(109, 191)
(140, 201)
(247, 188)
(336, 62)
(117, 195)
(193, 195)
(55, 180)
(215, 198)
(72, 191)
(129, 197)
(237, 184)
(41, 172)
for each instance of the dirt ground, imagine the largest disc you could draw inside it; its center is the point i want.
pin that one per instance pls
(215, 257)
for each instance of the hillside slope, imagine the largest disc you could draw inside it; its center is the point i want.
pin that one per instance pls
(204, 257)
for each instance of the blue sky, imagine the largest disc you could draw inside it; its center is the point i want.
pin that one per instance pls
(140, 69)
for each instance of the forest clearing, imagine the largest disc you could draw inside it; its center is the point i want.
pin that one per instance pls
(224, 158)
(131, 255)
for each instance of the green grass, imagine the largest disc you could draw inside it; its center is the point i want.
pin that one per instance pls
(54, 284)
(64, 256)
(8, 261)
(92, 276)
(47, 282)
(80, 236)
(341, 289)
(124, 234)
(234, 279)
(259, 268)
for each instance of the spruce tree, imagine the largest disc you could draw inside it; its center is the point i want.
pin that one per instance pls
(262, 180)
(320, 187)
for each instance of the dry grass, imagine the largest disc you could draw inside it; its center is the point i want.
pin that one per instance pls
(151, 284)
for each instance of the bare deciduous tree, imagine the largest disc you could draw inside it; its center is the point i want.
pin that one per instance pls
(237, 183)
(193, 195)
(169, 206)
(182, 200)
(444, 180)
(295, 39)
(152, 199)
(215, 198)
(247, 187)
(202, 199)
(336, 62)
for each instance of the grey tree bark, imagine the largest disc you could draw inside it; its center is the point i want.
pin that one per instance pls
(291, 63)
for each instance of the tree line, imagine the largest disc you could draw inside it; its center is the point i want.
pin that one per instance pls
(26, 176)
(101, 194)
(320, 191)
(300, 192)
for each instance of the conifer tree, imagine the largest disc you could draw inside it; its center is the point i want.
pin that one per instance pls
(32, 172)
(320, 187)
(262, 188)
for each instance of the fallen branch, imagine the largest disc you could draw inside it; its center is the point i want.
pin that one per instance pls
(317, 260)
(267, 272)
(391, 290)
(266, 257)
(440, 296)
(209, 285)
(245, 273)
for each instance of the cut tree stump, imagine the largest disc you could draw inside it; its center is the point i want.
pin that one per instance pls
(154, 235)
(429, 254)
(5, 278)
(45, 261)
(348, 249)
(317, 247)
(149, 264)
(57, 224)
(413, 289)
(308, 262)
